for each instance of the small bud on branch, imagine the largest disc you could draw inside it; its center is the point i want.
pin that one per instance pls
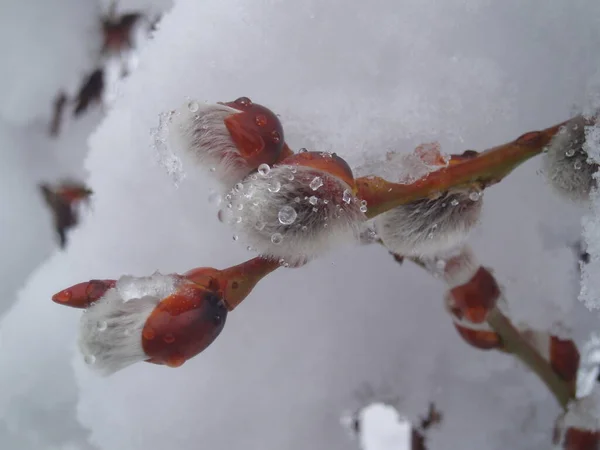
(162, 319)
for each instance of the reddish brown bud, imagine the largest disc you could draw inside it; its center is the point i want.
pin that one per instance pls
(564, 358)
(327, 162)
(481, 339)
(183, 324)
(576, 439)
(256, 132)
(82, 295)
(477, 297)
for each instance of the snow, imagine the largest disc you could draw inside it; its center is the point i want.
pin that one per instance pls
(383, 429)
(374, 78)
(590, 284)
(584, 413)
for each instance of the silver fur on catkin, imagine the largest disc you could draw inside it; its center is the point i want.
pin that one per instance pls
(198, 134)
(430, 228)
(294, 213)
(565, 162)
(110, 332)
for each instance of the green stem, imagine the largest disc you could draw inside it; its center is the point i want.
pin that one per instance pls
(514, 343)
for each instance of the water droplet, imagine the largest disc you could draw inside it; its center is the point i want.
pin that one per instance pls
(302, 150)
(325, 226)
(253, 177)
(65, 296)
(327, 155)
(264, 169)
(434, 226)
(228, 197)
(326, 201)
(577, 165)
(281, 262)
(304, 228)
(293, 170)
(275, 137)
(239, 187)
(454, 202)
(148, 334)
(276, 238)
(175, 360)
(235, 237)
(213, 169)
(89, 359)
(315, 209)
(260, 225)
(474, 196)
(297, 199)
(363, 208)
(102, 325)
(240, 207)
(286, 265)
(570, 152)
(275, 186)
(261, 120)
(193, 106)
(430, 236)
(347, 196)
(243, 101)
(313, 200)
(290, 177)
(440, 264)
(249, 248)
(169, 338)
(221, 216)
(229, 205)
(214, 198)
(287, 215)
(238, 220)
(316, 183)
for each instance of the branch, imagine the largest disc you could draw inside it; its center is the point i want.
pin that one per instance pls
(478, 294)
(513, 342)
(483, 169)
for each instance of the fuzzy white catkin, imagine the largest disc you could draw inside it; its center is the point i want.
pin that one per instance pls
(566, 164)
(430, 227)
(110, 332)
(323, 220)
(197, 133)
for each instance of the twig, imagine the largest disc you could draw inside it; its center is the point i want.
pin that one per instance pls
(514, 343)
(485, 169)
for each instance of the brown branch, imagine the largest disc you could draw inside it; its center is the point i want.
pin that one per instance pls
(483, 169)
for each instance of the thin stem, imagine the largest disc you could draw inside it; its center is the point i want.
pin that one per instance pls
(238, 281)
(514, 343)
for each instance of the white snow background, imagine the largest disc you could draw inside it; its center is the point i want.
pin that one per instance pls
(352, 77)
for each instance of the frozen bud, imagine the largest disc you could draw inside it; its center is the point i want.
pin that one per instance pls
(298, 218)
(163, 319)
(579, 428)
(229, 139)
(432, 226)
(566, 164)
